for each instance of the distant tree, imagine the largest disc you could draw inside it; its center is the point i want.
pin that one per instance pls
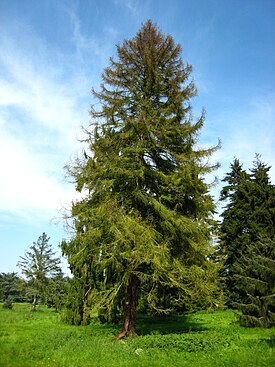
(8, 285)
(247, 241)
(39, 265)
(145, 219)
(11, 288)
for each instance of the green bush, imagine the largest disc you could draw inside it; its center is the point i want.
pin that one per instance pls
(8, 304)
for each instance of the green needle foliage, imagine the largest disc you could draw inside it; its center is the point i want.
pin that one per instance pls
(234, 232)
(247, 241)
(142, 229)
(254, 276)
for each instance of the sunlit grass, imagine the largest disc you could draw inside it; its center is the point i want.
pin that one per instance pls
(199, 339)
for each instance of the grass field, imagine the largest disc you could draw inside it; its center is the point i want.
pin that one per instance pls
(200, 339)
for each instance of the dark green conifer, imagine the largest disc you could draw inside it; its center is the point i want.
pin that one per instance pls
(247, 241)
(10, 289)
(254, 277)
(234, 230)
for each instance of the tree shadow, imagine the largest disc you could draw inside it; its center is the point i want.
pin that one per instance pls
(167, 324)
(269, 341)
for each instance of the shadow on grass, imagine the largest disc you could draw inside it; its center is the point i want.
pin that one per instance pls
(269, 341)
(166, 325)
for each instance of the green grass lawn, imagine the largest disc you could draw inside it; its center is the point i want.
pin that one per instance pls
(199, 339)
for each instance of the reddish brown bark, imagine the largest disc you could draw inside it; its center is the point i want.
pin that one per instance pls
(130, 306)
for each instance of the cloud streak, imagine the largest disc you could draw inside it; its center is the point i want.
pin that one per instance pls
(40, 118)
(248, 131)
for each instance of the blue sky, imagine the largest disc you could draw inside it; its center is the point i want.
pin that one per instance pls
(52, 53)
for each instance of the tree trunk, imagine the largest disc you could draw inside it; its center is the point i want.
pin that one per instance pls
(34, 303)
(130, 305)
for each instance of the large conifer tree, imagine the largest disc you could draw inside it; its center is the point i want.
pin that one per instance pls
(145, 219)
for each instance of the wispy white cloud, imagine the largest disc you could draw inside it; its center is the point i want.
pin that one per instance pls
(248, 131)
(99, 43)
(25, 189)
(244, 131)
(41, 111)
(40, 91)
(45, 95)
(131, 5)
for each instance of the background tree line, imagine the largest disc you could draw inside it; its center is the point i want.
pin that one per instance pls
(43, 279)
(144, 228)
